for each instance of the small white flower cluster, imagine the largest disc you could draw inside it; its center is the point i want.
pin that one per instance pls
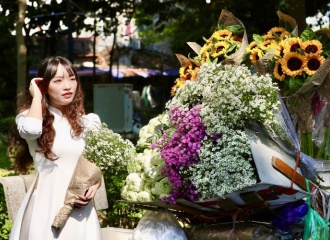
(224, 166)
(108, 150)
(231, 95)
(145, 181)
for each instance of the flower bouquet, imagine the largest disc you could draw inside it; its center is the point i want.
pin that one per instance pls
(227, 45)
(108, 150)
(203, 148)
(262, 49)
(299, 66)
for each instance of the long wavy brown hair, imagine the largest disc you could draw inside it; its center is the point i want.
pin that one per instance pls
(73, 112)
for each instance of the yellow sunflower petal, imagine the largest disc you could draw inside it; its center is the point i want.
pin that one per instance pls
(255, 55)
(275, 32)
(222, 34)
(178, 83)
(284, 35)
(268, 44)
(204, 57)
(267, 37)
(236, 39)
(278, 72)
(205, 48)
(194, 73)
(280, 49)
(251, 46)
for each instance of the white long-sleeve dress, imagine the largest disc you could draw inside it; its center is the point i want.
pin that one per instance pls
(54, 178)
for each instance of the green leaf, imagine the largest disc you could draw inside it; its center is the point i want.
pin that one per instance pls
(324, 39)
(236, 29)
(258, 39)
(293, 84)
(308, 34)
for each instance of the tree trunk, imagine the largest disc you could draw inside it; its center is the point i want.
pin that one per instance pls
(21, 47)
(298, 12)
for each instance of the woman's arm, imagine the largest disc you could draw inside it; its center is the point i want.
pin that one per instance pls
(29, 122)
(35, 110)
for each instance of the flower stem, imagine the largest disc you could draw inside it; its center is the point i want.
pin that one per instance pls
(324, 149)
(307, 145)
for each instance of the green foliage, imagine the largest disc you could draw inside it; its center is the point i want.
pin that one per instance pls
(119, 214)
(5, 229)
(5, 223)
(187, 21)
(6, 124)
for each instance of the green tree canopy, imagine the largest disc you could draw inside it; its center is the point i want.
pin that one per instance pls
(186, 21)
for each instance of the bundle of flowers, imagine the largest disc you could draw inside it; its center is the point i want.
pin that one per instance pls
(296, 59)
(226, 41)
(145, 180)
(204, 151)
(262, 44)
(108, 150)
(262, 48)
(298, 65)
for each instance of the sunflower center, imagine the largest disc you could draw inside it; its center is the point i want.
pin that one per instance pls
(254, 46)
(294, 47)
(224, 35)
(313, 64)
(311, 49)
(294, 64)
(279, 70)
(267, 44)
(219, 49)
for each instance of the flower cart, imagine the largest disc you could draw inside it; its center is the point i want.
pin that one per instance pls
(234, 144)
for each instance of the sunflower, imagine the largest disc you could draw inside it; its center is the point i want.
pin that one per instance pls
(185, 71)
(251, 46)
(204, 57)
(293, 64)
(278, 33)
(222, 34)
(193, 73)
(312, 47)
(220, 48)
(279, 51)
(206, 48)
(255, 55)
(265, 37)
(278, 72)
(236, 39)
(178, 83)
(313, 63)
(292, 44)
(268, 44)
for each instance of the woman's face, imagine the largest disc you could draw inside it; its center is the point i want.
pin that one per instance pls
(62, 88)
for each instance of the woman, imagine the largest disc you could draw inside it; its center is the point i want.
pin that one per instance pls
(53, 122)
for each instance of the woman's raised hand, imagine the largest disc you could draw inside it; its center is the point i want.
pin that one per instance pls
(34, 88)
